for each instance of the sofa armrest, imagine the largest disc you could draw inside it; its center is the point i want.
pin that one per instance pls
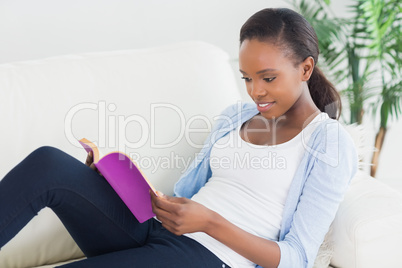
(367, 229)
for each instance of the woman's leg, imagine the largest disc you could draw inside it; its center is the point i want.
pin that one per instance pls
(162, 250)
(89, 208)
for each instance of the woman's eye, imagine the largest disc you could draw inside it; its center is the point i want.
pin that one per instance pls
(270, 79)
(246, 79)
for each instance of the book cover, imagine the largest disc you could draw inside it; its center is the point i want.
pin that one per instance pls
(126, 178)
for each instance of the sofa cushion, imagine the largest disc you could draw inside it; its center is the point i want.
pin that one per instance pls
(367, 227)
(156, 103)
(43, 241)
(110, 97)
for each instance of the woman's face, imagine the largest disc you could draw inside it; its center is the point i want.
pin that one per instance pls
(273, 81)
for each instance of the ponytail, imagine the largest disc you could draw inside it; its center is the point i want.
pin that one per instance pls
(324, 94)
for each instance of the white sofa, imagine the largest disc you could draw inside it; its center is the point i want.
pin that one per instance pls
(156, 103)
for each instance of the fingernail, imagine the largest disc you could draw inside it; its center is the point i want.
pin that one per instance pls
(158, 193)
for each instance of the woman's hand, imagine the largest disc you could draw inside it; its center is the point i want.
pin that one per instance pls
(180, 215)
(90, 162)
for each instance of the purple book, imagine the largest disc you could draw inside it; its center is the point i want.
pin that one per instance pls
(126, 179)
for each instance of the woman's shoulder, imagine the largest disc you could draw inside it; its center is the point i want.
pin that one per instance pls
(334, 130)
(331, 141)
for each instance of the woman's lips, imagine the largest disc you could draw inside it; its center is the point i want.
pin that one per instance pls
(264, 106)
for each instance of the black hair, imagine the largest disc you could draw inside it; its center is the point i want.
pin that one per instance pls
(296, 37)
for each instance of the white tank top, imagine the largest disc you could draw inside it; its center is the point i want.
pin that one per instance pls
(249, 187)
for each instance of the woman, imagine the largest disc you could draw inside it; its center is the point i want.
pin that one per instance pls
(263, 190)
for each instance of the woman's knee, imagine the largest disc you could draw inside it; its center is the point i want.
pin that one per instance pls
(42, 164)
(48, 157)
(48, 160)
(46, 153)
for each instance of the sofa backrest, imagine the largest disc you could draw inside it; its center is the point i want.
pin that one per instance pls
(148, 103)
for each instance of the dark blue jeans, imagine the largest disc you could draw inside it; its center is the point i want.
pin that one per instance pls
(100, 223)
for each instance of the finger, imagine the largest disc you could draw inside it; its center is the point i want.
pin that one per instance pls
(92, 166)
(172, 226)
(89, 159)
(155, 201)
(167, 197)
(153, 193)
(166, 218)
(165, 204)
(161, 214)
(153, 197)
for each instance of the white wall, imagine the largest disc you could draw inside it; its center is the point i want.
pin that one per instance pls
(43, 28)
(40, 28)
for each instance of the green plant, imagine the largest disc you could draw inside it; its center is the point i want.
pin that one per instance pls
(363, 52)
(384, 22)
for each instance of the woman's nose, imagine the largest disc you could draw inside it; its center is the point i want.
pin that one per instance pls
(257, 91)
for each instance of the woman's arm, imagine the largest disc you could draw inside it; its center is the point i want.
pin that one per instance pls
(330, 166)
(182, 215)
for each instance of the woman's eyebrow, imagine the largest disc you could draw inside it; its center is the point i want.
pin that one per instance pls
(267, 70)
(262, 71)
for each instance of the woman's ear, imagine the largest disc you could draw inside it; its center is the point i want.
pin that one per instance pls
(307, 67)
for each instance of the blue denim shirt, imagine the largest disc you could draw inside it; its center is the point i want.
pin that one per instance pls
(321, 180)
